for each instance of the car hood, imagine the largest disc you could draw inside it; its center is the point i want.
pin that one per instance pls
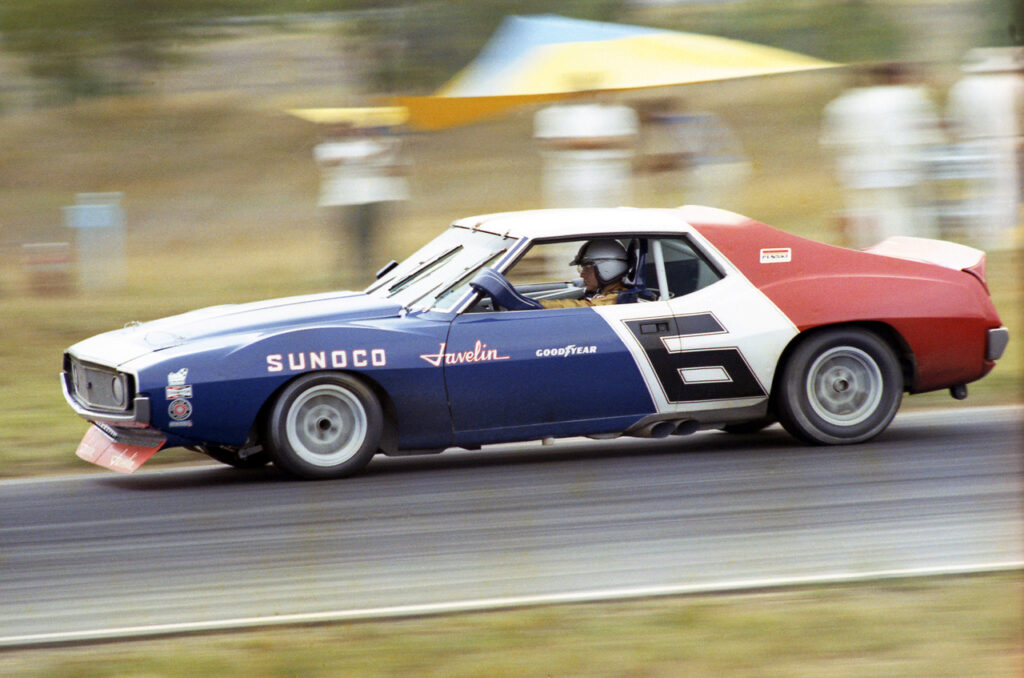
(258, 318)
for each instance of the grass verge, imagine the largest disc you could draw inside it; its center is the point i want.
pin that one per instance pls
(930, 627)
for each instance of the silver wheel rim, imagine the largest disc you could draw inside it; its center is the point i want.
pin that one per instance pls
(844, 386)
(326, 425)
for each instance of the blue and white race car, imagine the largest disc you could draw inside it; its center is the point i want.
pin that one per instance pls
(547, 324)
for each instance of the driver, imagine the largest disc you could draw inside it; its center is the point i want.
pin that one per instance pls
(602, 263)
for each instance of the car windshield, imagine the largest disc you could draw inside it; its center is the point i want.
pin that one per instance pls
(438, 273)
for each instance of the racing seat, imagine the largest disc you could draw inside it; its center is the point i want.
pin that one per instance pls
(635, 278)
(501, 291)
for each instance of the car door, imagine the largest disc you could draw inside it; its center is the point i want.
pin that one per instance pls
(529, 374)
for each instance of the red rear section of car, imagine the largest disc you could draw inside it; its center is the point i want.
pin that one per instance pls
(940, 311)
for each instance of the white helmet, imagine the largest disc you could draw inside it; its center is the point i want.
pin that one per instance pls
(608, 258)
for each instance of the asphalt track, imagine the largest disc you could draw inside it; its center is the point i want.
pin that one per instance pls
(105, 556)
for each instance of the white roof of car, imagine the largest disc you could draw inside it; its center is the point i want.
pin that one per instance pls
(555, 223)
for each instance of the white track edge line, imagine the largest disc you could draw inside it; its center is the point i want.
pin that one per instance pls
(492, 604)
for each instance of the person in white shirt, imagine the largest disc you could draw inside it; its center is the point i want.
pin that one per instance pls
(879, 133)
(985, 109)
(361, 172)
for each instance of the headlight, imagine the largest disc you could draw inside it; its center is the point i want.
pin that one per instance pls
(117, 390)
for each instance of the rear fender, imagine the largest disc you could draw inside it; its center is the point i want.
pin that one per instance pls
(943, 321)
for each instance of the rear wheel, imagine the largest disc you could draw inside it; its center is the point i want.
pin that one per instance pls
(840, 386)
(324, 425)
(749, 427)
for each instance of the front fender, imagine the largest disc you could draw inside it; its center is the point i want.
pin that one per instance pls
(215, 395)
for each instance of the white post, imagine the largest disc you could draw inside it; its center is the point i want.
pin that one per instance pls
(99, 236)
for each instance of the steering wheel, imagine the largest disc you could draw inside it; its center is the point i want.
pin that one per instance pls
(502, 293)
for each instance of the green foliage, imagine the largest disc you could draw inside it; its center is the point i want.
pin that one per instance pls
(1004, 22)
(1015, 30)
(844, 30)
(80, 44)
(96, 47)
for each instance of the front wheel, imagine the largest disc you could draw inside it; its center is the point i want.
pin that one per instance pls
(324, 425)
(241, 459)
(839, 387)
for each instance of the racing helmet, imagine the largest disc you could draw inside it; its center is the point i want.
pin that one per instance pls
(607, 256)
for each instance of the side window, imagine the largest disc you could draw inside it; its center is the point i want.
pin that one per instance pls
(545, 274)
(686, 269)
(544, 271)
(545, 263)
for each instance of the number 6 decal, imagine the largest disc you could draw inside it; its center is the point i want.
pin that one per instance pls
(693, 374)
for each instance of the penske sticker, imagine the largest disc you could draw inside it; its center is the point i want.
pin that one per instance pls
(776, 255)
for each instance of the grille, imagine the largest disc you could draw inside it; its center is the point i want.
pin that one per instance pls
(99, 387)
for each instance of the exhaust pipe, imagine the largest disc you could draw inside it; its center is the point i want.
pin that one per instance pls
(663, 429)
(658, 429)
(686, 427)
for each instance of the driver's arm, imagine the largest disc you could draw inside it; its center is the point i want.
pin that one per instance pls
(606, 297)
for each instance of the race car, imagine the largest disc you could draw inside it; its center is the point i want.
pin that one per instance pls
(489, 334)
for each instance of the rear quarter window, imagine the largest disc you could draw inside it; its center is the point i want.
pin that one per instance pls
(686, 268)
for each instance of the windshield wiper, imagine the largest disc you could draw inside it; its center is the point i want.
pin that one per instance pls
(408, 280)
(408, 307)
(472, 267)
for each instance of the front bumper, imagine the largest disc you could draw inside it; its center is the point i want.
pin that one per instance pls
(995, 343)
(120, 438)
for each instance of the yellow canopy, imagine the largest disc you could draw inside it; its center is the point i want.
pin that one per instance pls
(533, 59)
(524, 63)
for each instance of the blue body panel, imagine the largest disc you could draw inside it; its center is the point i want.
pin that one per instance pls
(530, 374)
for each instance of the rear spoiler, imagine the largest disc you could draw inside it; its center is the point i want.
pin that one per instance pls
(939, 252)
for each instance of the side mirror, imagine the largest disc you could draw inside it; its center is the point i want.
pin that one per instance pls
(387, 267)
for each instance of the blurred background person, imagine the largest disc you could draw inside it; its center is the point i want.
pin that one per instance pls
(587, 153)
(879, 132)
(587, 159)
(689, 156)
(362, 171)
(984, 110)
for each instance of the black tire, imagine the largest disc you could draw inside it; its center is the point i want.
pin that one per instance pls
(839, 387)
(231, 457)
(749, 427)
(324, 425)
